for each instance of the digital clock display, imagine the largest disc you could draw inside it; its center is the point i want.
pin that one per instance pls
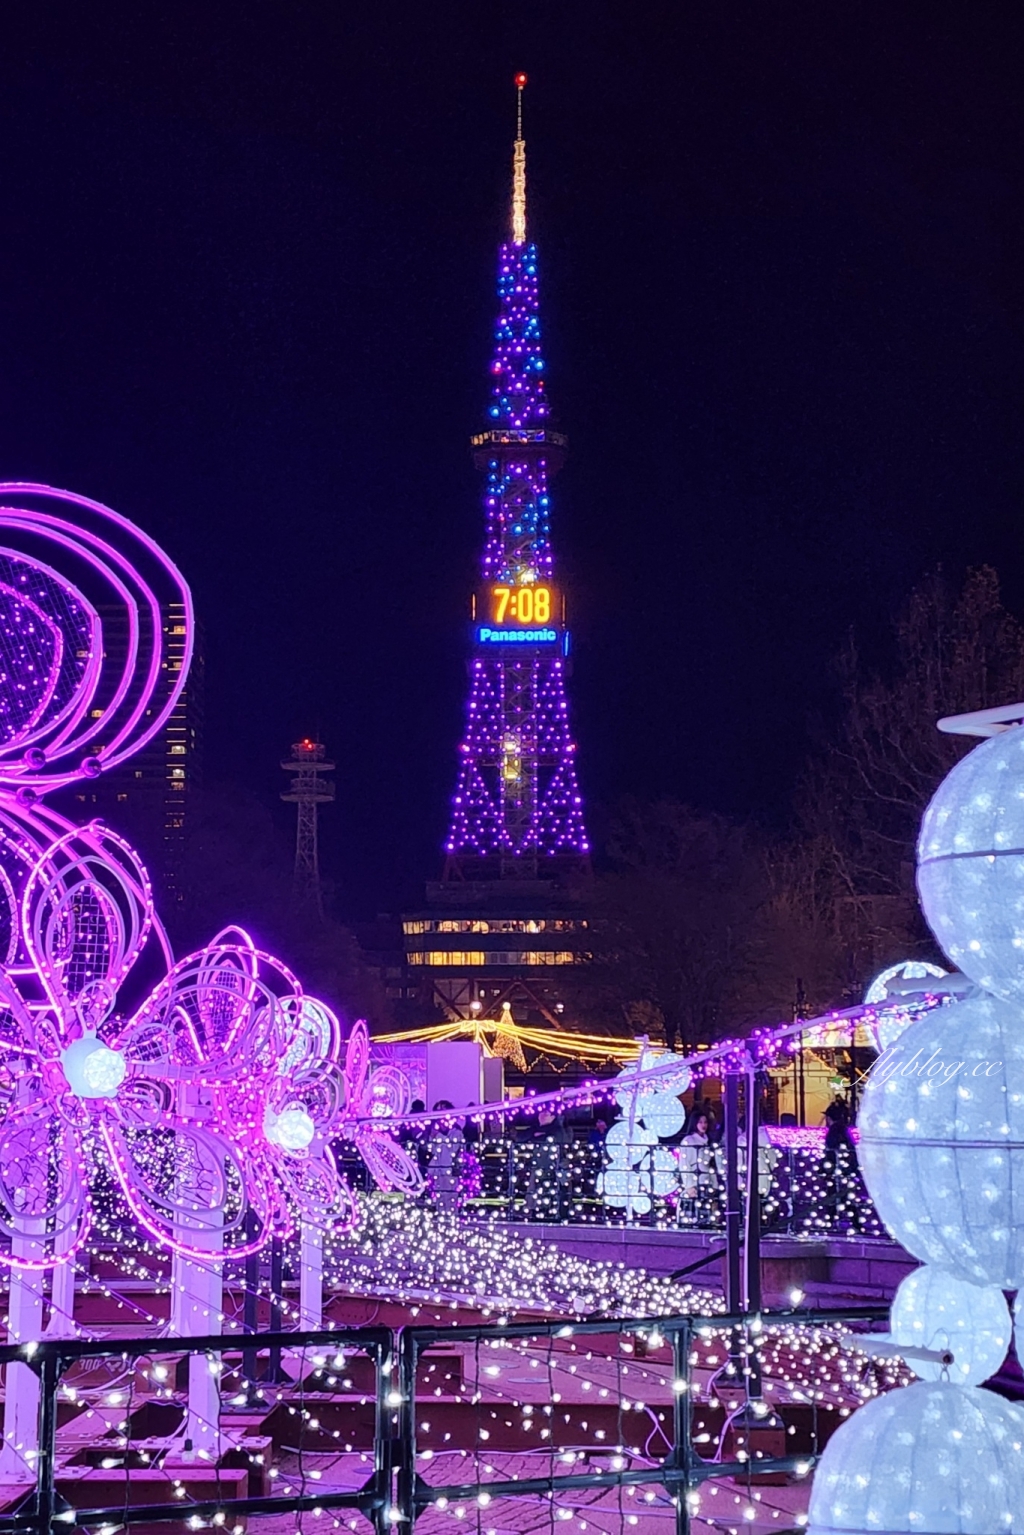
(521, 605)
(524, 606)
(530, 614)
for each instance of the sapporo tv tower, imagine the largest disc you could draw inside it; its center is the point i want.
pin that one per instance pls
(506, 917)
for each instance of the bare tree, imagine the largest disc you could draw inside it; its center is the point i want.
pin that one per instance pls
(676, 933)
(238, 869)
(861, 804)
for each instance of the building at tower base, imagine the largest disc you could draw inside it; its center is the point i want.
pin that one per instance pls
(477, 944)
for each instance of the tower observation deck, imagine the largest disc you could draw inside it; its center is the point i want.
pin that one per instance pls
(505, 921)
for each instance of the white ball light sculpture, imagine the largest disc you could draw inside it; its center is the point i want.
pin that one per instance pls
(91, 1069)
(933, 1309)
(942, 1153)
(894, 983)
(942, 1140)
(929, 1459)
(654, 1098)
(293, 1129)
(970, 856)
(638, 1168)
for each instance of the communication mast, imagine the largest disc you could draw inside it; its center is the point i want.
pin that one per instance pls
(309, 789)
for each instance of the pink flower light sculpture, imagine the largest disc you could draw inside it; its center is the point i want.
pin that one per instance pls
(149, 1101)
(209, 1105)
(373, 1099)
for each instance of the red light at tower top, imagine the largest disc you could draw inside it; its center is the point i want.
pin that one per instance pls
(520, 81)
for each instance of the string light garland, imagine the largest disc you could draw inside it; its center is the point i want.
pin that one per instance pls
(569, 1045)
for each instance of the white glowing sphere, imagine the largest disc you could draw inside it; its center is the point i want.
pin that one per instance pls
(93, 1070)
(933, 1309)
(623, 1186)
(889, 982)
(942, 1140)
(293, 1129)
(626, 1144)
(663, 1113)
(970, 864)
(668, 1080)
(894, 984)
(655, 1100)
(928, 1459)
(664, 1171)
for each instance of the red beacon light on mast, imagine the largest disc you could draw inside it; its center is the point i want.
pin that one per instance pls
(519, 82)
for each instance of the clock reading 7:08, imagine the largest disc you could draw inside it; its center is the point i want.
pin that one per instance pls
(523, 605)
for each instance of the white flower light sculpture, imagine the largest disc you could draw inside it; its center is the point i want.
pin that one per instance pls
(970, 871)
(935, 1310)
(929, 1459)
(638, 1168)
(942, 1140)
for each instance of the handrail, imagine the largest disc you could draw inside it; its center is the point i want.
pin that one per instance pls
(394, 1492)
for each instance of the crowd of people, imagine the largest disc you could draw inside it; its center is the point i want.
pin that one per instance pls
(545, 1167)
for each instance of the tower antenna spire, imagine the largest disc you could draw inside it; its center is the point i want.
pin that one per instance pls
(519, 170)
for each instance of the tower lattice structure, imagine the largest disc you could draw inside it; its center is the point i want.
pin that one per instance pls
(309, 789)
(517, 810)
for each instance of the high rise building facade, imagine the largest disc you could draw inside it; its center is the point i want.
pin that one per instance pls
(505, 920)
(151, 798)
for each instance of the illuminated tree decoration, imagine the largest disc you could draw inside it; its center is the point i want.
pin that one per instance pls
(942, 1140)
(928, 1459)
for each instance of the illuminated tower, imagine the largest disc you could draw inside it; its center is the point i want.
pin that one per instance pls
(517, 812)
(508, 922)
(309, 789)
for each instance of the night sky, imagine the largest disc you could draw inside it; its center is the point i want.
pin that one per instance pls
(246, 297)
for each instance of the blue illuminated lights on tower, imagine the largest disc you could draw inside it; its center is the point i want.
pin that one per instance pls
(517, 808)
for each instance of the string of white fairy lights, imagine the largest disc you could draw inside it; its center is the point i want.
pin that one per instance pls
(759, 1050)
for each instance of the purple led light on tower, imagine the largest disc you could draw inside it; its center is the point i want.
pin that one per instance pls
(517, 808)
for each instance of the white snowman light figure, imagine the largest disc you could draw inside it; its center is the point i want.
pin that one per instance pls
(942, 1130)
(970, 855)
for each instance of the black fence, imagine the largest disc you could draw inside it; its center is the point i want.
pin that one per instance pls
(569, 1179)
(366, 1401)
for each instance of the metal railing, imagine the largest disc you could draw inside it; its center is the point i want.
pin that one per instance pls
(803, 1190)
(397, 1490)
(42, 1509)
